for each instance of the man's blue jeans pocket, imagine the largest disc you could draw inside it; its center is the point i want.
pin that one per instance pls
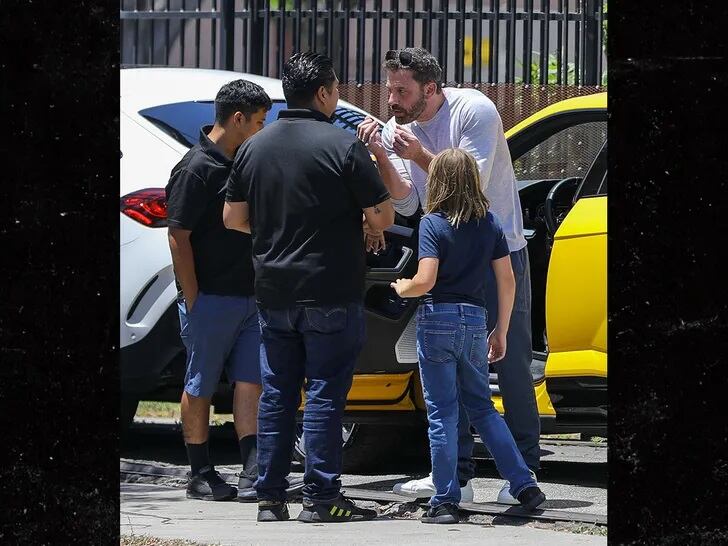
(327, 319)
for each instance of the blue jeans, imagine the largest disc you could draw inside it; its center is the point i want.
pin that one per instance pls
(319, 345)
(514, 373)
(452, 347)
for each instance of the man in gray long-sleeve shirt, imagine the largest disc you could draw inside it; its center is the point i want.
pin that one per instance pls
(428, 119)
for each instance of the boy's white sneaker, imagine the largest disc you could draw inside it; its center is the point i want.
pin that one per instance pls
(505, 497)
(424, 487)
(415, 488)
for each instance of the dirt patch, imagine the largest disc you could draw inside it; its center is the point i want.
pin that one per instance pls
(402, 510)
(581, 528)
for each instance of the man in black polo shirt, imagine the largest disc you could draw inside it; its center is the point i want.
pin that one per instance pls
(213, 268)
(302, 184)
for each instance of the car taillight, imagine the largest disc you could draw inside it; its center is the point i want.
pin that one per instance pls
(148, 207)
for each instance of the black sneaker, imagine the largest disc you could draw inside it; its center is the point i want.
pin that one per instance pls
(531, 497)
(444, 513)
(273, 511)
(340, 510)
(246, 492)
(208, 484)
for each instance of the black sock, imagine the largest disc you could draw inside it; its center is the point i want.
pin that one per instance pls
(463, 483)
(198, 455)
(248, 450)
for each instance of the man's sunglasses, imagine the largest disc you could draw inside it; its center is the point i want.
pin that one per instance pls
(404, 57)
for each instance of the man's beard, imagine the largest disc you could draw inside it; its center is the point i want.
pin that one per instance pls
(408, 116)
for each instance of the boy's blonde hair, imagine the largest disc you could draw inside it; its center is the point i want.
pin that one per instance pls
(453, 187)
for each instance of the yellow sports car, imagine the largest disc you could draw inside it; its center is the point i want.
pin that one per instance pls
(559, 157)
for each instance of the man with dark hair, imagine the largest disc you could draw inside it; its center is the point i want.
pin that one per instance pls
(428, 119)
(302, 185)
(214, 273)
(242, 96)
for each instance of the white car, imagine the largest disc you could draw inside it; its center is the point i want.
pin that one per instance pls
(162, 110)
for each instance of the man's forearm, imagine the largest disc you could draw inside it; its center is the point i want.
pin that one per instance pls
(242, 226)
(183, 261)
(235, 216)
(397, 187)
(423, 159)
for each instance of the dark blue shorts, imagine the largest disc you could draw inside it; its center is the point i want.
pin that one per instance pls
(222, 332)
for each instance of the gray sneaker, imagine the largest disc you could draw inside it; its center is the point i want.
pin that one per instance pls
(273, 511)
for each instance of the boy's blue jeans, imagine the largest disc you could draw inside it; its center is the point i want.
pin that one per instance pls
(452, 346)
(319, 345)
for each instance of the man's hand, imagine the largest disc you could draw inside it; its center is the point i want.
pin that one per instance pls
(366, 129)
(375, 243)
(496, 345)
(368, 132)
(183, 261)
(368, 229)
(190, 301)
(374, 238)
(375, 145)
(406, 145)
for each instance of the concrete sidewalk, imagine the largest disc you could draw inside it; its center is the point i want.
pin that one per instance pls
(165, 512)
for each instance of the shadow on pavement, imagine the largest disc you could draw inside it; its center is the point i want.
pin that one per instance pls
(558, 504)
(163, 443)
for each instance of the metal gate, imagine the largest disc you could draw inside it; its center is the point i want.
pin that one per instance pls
(542, 42)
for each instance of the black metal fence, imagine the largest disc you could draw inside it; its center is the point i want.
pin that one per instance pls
(476, 41)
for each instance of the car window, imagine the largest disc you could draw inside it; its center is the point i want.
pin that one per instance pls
(566, 153)
(595, 182)
(347, 119)
(603, 187)
(182, 120)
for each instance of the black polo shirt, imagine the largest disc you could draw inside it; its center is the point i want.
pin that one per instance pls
(306, 183)
(195, 198)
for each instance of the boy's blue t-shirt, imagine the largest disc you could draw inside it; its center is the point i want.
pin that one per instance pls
(465, 253)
